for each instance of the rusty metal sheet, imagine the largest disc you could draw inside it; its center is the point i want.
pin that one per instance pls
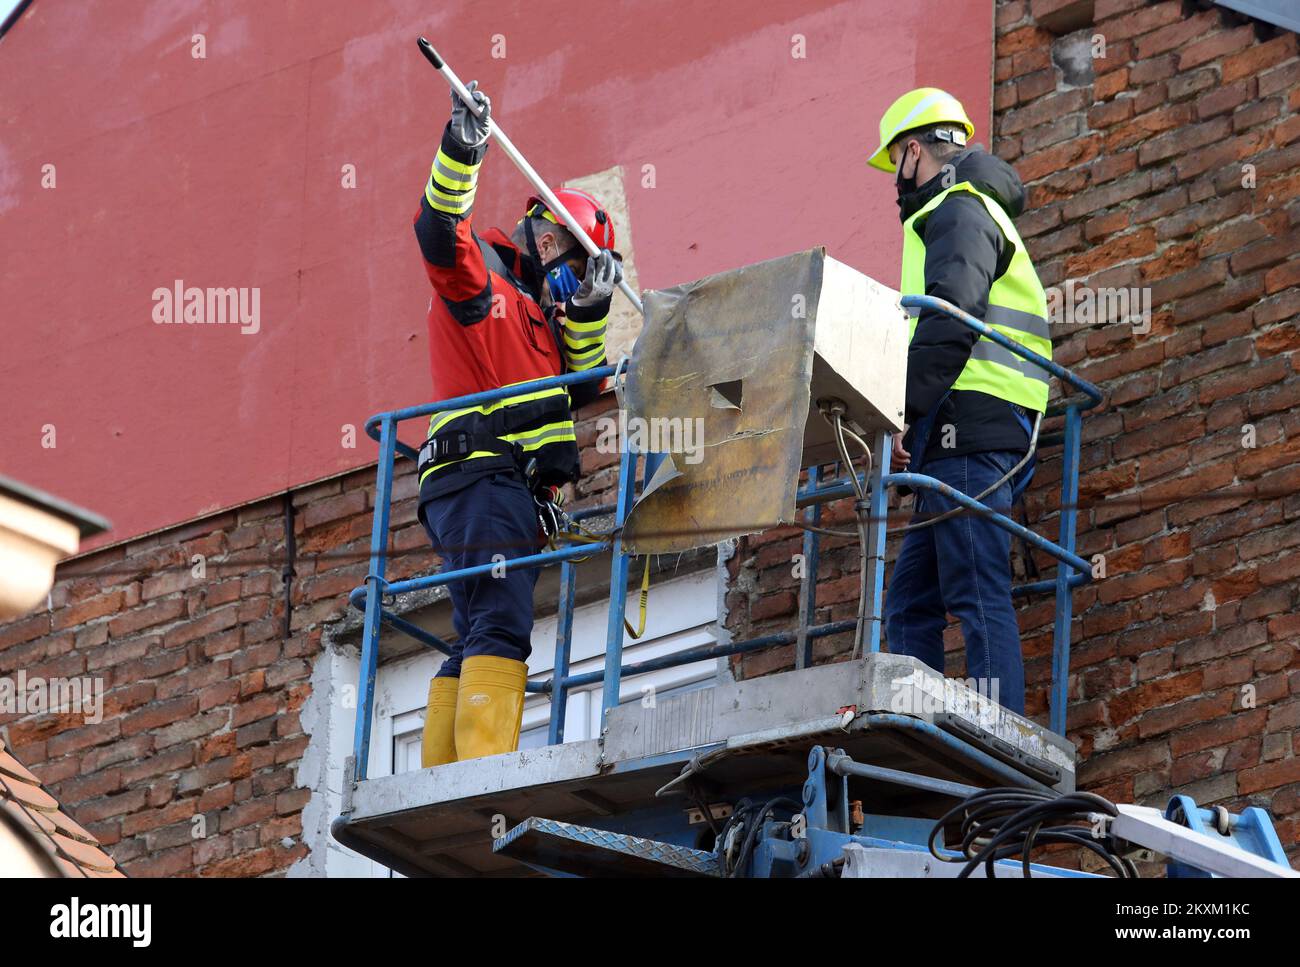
(720, 379)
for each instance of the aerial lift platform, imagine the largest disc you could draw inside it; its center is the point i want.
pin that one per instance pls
(653, 768)
(834, 770)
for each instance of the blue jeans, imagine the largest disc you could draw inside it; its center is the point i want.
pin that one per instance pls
(493, 615)
(961, 566)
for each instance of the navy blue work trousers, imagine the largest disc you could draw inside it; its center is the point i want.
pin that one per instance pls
(490, 521)
(961, 566)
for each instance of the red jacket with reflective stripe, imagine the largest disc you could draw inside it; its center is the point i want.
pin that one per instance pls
(499, 334)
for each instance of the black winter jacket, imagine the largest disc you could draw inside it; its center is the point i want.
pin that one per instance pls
(965, 252)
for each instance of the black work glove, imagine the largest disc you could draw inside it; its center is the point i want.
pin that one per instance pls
(469, 130)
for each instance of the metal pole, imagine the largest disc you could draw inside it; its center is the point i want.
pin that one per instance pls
(618, 586)
(922, 302)
(876, 533)
(563, 641)
(842, 765)
(374, 594)
(1064, 598)
(514, 154)
(808, 582)
(701, 652)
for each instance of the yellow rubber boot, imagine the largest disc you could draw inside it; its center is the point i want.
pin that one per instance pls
(439, 743)
(490, 705)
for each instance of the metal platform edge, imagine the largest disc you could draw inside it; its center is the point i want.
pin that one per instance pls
(878, 683)
(805, 707)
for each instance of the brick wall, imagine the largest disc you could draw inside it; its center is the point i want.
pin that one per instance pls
(202, 688)
(1185, 668)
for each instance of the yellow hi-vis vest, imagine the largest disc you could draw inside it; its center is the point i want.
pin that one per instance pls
(1017, 309)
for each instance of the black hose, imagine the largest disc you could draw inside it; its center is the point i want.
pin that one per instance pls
(998, 824)
(752, 819)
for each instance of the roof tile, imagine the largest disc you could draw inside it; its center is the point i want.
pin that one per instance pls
(74, 850)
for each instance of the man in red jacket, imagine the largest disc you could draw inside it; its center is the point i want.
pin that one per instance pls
(505, 310)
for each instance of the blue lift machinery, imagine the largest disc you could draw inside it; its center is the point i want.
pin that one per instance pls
(877, 766)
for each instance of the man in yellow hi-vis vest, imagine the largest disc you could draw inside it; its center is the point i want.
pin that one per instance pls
(970, 402)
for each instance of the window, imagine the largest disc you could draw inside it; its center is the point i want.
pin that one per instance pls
(680, 615)
(408, 731)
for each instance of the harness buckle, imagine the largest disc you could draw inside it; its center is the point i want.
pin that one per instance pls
(453, 443)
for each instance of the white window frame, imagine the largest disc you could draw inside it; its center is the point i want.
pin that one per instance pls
(681, 614)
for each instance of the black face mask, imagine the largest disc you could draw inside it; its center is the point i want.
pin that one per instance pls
(905, 185)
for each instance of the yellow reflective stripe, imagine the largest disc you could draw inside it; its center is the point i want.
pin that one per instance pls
(587, 354)
(585, 342)
(448, 463)
(439, 176)
(440, 179)
(449, 196)
(446, 161)
(442, 419)
(538, 431)
(578, 365)
(443, 202)
(987, 376)
(532, 439)
(527, 440)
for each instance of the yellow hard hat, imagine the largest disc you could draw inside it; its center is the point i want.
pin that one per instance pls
(917, 109)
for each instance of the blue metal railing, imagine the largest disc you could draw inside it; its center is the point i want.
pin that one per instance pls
(1072, 571)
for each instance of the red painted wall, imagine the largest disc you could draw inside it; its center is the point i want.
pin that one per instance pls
(226, 171)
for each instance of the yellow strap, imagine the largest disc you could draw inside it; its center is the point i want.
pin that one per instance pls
(579, 535)
(573, 537)
(645, 599)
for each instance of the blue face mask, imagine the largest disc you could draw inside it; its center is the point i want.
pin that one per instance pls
(563, 281)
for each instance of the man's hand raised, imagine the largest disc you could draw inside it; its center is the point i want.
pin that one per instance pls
(469, 130)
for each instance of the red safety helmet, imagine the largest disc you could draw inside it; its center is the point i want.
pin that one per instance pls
(585, 209)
